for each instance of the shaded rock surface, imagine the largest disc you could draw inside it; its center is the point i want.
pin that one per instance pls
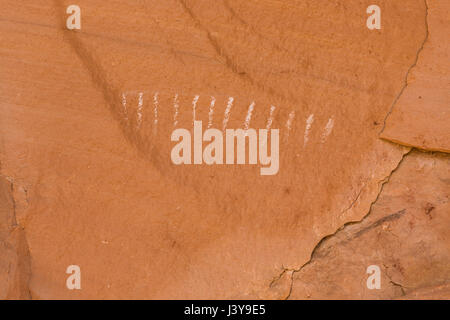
(405, 234)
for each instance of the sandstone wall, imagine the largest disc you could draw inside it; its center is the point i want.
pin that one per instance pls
(86, 177)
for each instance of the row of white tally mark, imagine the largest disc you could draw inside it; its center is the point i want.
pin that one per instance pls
(176, 106)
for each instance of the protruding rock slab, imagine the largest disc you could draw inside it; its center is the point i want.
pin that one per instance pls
(421, 116)
(406, 235)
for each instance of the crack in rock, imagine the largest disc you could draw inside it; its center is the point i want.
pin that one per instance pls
(409, 69)
(383, 182)
(326, 238)
(20, 245)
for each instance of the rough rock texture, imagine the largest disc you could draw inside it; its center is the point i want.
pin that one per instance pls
(421, 115)
(405, 234)
(93, 181)
(15, 258)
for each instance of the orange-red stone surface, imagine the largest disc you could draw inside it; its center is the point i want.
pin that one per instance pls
(421, 115)
(87, 178)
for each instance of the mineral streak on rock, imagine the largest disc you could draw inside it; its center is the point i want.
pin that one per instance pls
(15, 258)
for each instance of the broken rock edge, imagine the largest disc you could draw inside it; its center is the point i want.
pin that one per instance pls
(292, 271)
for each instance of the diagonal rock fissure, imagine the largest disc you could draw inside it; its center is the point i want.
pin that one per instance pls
(229, 62)
(350, 223)
(26, 255)
(405, 85)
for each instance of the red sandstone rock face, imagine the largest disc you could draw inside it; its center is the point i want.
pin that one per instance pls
(92, 180)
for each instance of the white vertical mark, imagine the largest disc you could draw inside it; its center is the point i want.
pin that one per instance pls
(194, 107)
(155, 111)
(176, 107)
(270, 120)
(227, 112)
(124, 103)
(249, 115)
(327, 130)
(139, 109)
(211, 112)
(289, 121)
(309, 123)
